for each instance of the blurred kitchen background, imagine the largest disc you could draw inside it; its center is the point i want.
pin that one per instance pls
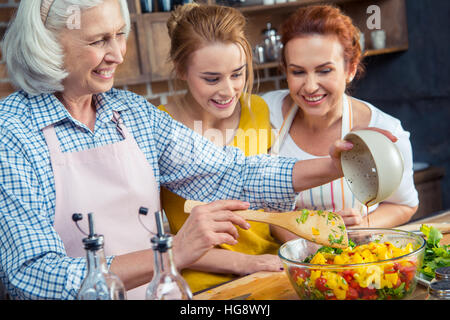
(407, 77)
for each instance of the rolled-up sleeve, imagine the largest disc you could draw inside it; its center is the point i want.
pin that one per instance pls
(193, 167)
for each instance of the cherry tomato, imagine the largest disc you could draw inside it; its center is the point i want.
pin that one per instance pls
(353, 284)
(352, 294)
(348, 275)
(409, 272)
(368, 292)
(321, 284)
(300, 273)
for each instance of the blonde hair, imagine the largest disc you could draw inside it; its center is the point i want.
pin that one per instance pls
(193, 26)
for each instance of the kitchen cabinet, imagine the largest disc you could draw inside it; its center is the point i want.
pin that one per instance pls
(428, 185)
(149, 43)
(134, 68)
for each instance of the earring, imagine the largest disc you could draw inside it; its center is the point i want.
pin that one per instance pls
(349, 80)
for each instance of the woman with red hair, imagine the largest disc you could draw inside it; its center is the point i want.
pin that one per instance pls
(321, 56)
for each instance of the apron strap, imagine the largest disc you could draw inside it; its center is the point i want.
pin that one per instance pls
(284, 130)
(347, 125)
(51, 138)
(53, 145)
(347, 115)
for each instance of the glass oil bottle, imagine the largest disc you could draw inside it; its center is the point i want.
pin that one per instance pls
(99, 283)
(167, 283)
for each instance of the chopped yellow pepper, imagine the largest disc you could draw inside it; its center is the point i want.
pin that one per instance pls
(315, 231)
(372, 276)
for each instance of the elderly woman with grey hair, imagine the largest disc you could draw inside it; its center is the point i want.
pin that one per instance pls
(70, 143)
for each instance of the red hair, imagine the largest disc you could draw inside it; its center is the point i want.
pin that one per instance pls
(324, 20)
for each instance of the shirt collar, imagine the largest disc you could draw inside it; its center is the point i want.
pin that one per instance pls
(46, 109)
(107, 103)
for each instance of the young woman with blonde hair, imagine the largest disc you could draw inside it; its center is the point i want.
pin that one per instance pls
(211, 54)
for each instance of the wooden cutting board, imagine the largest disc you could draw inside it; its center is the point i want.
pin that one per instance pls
(260, 286)
(268, 286)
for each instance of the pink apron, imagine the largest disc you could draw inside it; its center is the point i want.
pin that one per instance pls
(112, 182)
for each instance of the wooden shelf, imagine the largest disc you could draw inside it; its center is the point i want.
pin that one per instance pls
(266, 65)
(285, 5)
(149, 43)
(373, 52)
(430, 174)
(429, 188)
(367, 53)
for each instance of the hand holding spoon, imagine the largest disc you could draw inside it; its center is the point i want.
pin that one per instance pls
(322, 227)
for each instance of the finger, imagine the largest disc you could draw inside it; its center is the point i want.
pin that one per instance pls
(224, 238)
(231, 205)
(234, 218)
(275, 265)
(387, 133)
(338, 146)
(225, 227)
(348, 213)
(270, 263)
(351, 221)
(191, 206)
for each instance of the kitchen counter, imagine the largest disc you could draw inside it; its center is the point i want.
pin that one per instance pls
(276, 285)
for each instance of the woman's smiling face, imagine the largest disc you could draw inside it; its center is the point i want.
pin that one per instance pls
(316, 73)
(93, 52)
(216, 77)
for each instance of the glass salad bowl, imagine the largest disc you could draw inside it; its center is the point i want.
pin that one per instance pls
(380, 264)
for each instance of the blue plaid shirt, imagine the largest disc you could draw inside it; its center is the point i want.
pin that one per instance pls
(33, 261)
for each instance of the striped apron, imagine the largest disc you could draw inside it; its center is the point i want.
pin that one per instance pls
(336, 195)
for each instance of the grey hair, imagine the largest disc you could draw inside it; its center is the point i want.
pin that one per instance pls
(34, 57)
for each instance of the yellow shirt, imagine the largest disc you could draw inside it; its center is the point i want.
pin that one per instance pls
(253, 136)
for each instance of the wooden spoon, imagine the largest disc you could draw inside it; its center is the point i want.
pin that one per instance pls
(322, 227)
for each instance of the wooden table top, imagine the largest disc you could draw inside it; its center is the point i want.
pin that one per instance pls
(276, 285)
